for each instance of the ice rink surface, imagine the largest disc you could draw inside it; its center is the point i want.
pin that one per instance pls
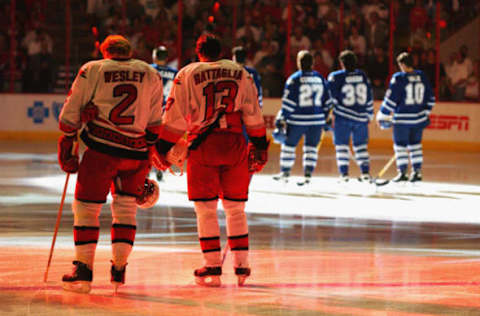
(324, 249)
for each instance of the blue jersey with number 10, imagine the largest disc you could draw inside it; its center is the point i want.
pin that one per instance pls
(352, 95)
(409, 97)
(306, 99)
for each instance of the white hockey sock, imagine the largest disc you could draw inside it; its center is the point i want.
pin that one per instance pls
(237, 231)
(208, 232)
(124, 209)
(85, 230)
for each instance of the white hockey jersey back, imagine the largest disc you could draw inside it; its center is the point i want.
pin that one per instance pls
(129, 96)
(202, 90)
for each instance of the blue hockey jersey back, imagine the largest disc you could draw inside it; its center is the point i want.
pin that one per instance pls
(306, 99)
(256, 78)
(167, 74)
(409, 97)
(352, 95)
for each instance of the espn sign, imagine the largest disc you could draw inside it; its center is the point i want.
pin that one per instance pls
(449, 122)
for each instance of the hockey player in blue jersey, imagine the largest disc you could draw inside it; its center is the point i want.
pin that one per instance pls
(353, 110)
(239, 55)
(407, 104)
(306, 102)
(159, 57)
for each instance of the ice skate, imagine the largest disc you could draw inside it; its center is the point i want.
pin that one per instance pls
(305, 181)
(79, 280)
(208, 276)
(242, 274)
(282, 177)
(400, 178)
(415, 177)
(117, 277)
(343, 179)
(365, 178)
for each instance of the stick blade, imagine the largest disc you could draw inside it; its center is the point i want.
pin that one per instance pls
(380, 182)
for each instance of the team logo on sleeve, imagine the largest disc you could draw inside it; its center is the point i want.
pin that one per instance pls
(83, 73)
(176, 81)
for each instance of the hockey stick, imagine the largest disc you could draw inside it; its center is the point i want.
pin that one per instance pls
(225, 251)
(59, 217)
(381, 173)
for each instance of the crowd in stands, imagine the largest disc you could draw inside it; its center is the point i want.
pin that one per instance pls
(262, 29)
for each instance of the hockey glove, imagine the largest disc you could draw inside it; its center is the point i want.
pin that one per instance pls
(150, 194)
(158, 160)
(257, 157)
(384, 121)
(89, 113)
(280, 123)
(68, 161)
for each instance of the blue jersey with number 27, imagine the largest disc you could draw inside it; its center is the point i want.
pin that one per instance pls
(306, 99)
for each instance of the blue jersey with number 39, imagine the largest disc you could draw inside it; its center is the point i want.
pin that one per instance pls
(306, 99)
(409, 97)
(352, 94)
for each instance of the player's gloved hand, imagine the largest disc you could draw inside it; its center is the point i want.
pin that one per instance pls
(280, 123)
(68, 161)
(384, 121)
(89, 113)
(257, 157)
(158, 160)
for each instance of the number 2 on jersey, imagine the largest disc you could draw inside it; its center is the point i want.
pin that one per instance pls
(116, 116)
(228, 100)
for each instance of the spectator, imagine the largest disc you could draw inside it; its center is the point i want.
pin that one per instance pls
(264, 50)
(41, 72)
(458, 76)
(134, 10)
(376, 32)
(272, 81)
(374, 6)
(142, 51)
(320, 66)
(358, 44)
(320, 49)
(378, 72)
(472, 90)
(430, 67)
(248, 30)
(418, 17)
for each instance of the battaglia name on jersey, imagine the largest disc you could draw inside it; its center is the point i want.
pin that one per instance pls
(212, 74)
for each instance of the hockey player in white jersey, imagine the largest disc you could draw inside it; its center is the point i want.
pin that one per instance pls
(407, 105)
(212, 100)
(127, 93)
